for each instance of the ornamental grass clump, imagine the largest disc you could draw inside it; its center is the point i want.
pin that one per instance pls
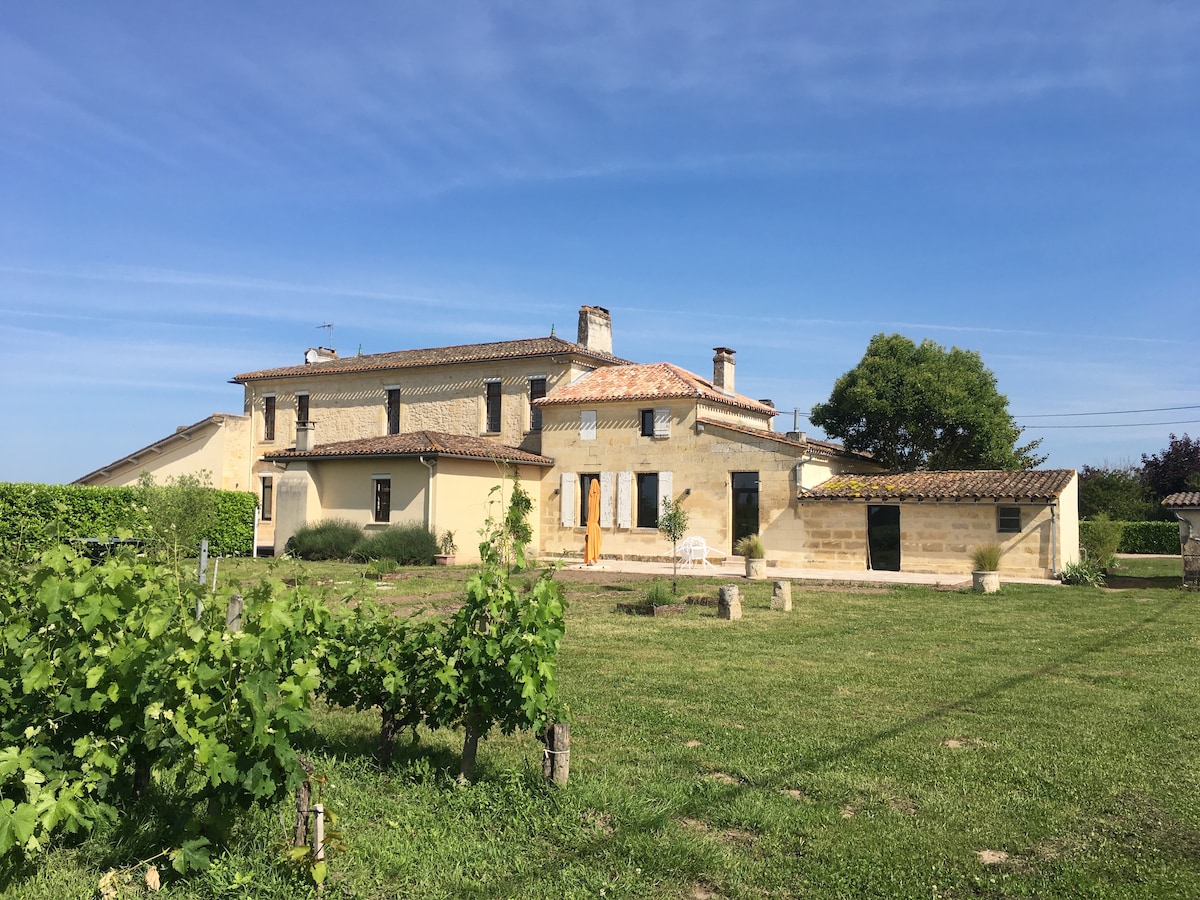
(660, 594)
(750, 547)
(986, 558)
(1100, 539)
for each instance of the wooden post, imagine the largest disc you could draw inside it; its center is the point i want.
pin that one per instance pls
(303, 797)
(556, 759)
(233, 613)
(729, 605)
(319, 837)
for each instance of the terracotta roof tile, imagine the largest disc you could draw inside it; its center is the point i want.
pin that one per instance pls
(1184, 498)
(825, 448)
(979, 484)
(652, 381)
(434, 356)
(417, 443)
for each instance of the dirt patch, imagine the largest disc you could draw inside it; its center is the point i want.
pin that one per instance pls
(704, 892)
(725, 835)
(992, 857)
(692, 743)
(596, 820)
(964, 743)
(849, 811)
(796, 794)
(904, 805)
(722, 778)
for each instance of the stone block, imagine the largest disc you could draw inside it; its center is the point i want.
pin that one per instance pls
(781, 598)
(729, 604)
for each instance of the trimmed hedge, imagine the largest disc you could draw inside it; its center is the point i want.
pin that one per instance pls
(1142, 537)
(29, 514)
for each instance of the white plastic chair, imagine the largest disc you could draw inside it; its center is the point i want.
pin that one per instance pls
(693, 550)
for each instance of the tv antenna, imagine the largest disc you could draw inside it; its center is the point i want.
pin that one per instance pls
(328, 326)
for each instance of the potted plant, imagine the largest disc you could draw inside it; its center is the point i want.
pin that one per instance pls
(985, 574)
(751, 548)
(447, 547)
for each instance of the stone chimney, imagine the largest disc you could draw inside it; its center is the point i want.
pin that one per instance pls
(723, 370)
(595, 329)
(319, 354)
(304, 437)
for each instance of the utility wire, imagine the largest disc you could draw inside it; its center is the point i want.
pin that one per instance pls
(1118, 425)
(1114, 412)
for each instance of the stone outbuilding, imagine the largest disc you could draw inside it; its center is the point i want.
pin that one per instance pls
(933, 521)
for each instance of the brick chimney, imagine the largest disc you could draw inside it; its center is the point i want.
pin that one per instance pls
(595, 329)
(723, 370)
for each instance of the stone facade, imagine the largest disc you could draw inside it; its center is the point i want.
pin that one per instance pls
(694, 462)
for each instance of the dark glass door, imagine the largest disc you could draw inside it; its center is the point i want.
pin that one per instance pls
(745, 505)
(883, 538)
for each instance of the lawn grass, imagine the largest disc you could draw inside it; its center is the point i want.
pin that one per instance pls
(873, 742)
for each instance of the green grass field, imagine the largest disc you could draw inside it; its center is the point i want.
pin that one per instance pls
(874, 742)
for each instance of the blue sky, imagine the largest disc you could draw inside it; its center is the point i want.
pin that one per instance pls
(189, 190)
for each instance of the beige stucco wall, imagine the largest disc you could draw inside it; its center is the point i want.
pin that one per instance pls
(459, 491)
(700, 461)
(448, 398)
(219, 447)
(464, 497)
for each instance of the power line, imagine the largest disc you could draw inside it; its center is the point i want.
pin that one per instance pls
(1118, 425)
(1114, 412)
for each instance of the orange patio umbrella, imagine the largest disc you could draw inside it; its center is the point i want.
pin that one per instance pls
(591, 544)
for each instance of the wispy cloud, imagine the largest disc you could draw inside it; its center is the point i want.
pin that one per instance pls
(434, 99)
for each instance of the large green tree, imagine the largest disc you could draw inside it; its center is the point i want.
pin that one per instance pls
(920, 406)
(1117, 491)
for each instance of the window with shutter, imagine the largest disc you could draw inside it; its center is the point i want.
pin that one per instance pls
(567, 498)
(268, 492)
(587, 425)
(537, 390)
(624, 499)
(662, 422)
(393, 410)
(301, 408)
(269, 417)
(383, 498)
(491, 390)
(606, 499)
(647, 500)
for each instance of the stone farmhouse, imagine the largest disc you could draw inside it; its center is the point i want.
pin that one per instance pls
(427, 435)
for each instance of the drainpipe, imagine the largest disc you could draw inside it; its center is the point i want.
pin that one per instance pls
(1054, 540)
(1188, 522)
(430, 524)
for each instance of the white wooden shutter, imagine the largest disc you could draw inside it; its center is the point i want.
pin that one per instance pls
(587, 424)
(665, 491)
(567, 499)
(662, 422)
(624, 499)
(606, 499)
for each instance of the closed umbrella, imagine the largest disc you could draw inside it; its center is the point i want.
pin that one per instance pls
(591, 545)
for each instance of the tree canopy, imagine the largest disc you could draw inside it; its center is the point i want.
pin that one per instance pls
(1117, 491)
(924, 407)
(1177, 468)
